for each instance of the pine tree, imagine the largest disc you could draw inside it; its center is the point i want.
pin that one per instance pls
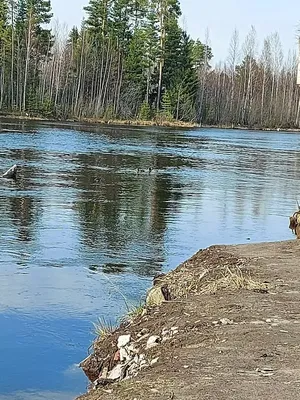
(166, 112)
(33, 43)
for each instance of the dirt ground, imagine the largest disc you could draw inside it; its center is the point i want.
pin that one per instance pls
(253, 354)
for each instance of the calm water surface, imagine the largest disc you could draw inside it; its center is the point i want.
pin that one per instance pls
(79, 204)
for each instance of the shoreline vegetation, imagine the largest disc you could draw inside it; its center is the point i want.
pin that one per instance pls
(130, 60)
(224, 321)
(143, 123)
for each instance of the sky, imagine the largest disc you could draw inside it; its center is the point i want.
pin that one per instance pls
(219, 18)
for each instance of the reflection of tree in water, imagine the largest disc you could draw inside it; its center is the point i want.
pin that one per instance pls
(124, 214)
(23, 208)
(23, 212)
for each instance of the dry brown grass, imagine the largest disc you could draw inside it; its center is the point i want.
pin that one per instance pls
(137, 122)
(234, 279)
(209, 271)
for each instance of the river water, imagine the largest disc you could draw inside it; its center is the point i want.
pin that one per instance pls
(82, 229)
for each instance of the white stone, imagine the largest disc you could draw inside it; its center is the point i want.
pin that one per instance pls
(154, 361)
(152, 342)
(124, 355)
(226, 321)
(123, 340)
(116, 372)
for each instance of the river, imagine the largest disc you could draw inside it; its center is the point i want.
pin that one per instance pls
(86, 226)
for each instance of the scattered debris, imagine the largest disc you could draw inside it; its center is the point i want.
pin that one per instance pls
(223, 321)
(154, 361)
(126, 361)
(168, 334)
(116, 372)
(123, 340)
(11, 173)
(266, 371)
(152, 342)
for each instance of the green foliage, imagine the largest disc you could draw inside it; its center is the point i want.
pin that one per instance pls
(145, 112)
(200, 54)
(98, 16)
(124, 52)
(166, 113)
(46, 109)
(133, 312)
(109, 113)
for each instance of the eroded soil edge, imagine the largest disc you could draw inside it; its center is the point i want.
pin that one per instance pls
(229, 330)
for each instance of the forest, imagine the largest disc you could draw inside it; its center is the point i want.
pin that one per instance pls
(133, 60)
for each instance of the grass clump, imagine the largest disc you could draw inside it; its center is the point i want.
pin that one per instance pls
(103, 328)
(232, 278)
(133, 312)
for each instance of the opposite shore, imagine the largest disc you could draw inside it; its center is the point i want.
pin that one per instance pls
(223, 325)
(143, 123)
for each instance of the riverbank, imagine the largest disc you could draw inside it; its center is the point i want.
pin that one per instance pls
(116, 122)
(229, 330)
(145, 123)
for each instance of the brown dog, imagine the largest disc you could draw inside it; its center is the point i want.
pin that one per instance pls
(295, 224)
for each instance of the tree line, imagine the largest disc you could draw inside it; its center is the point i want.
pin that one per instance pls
(131, 59)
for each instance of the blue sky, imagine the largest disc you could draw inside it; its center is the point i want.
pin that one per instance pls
(220, 18)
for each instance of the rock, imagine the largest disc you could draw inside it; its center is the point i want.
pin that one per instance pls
(11, 173)
(226, 321)
(124, 355)
(116, 372)
(152, 342)
(154, 361)
(123, 341)
(155, 297)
